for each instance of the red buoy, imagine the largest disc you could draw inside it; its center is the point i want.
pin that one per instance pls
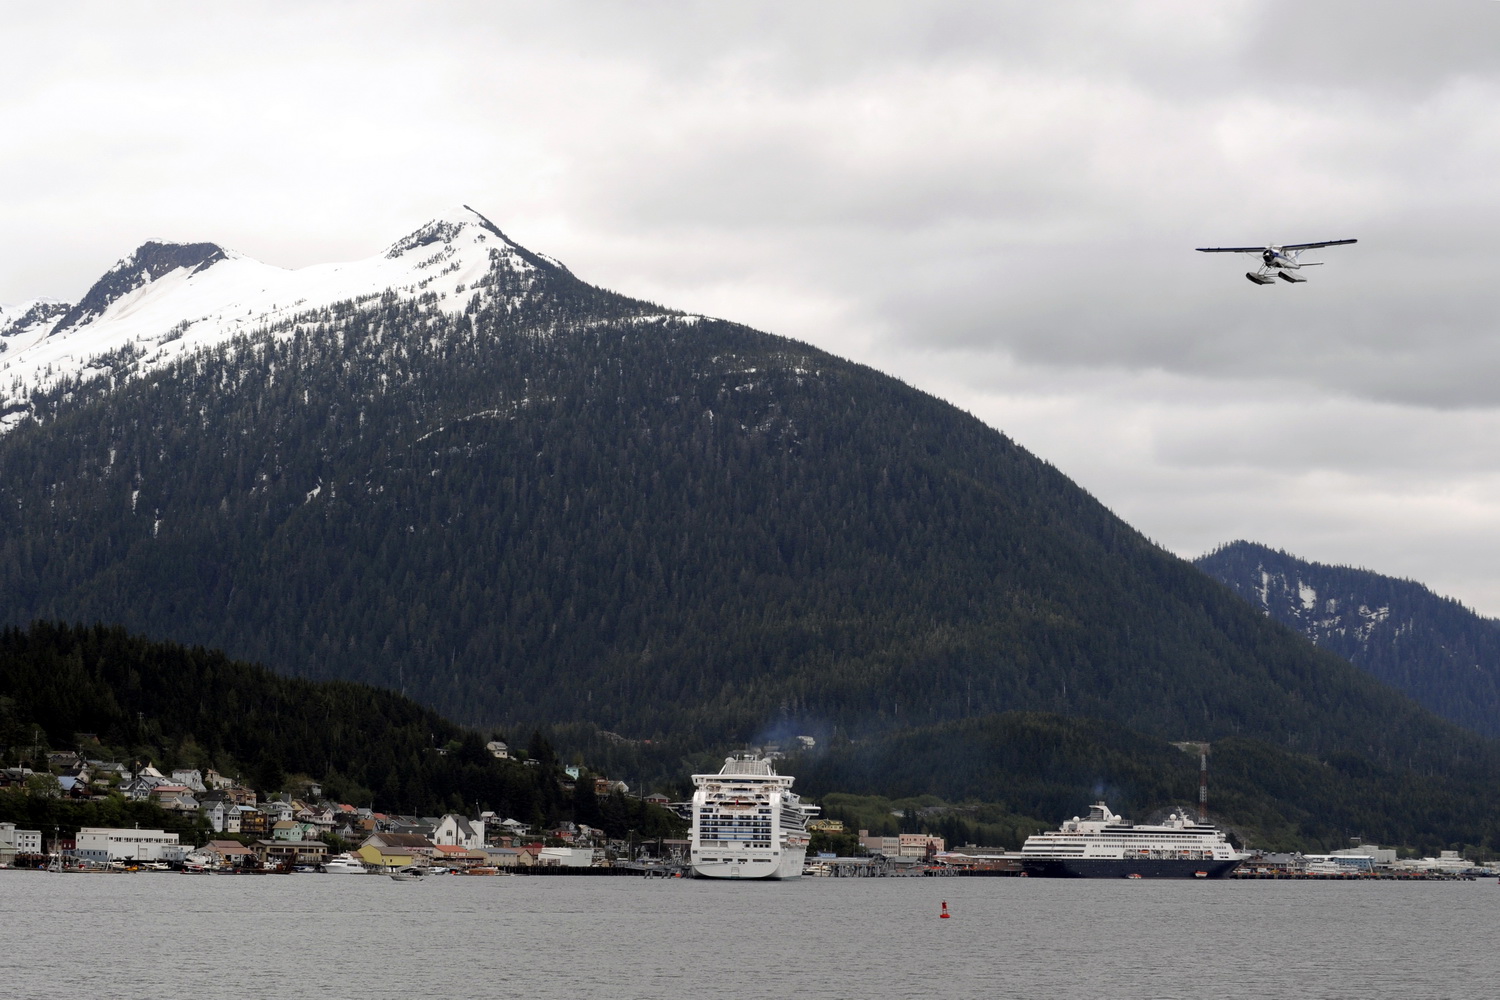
(944, 914)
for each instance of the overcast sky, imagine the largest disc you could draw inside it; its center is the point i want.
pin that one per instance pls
(996, 202)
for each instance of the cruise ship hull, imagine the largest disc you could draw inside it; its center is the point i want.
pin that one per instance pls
(1122, 868)
(789, 865)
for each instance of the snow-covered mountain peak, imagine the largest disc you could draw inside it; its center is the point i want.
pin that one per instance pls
(460, 224)
(165, 300)
(150, 262)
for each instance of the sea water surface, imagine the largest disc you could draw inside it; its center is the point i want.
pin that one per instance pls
(207, 937)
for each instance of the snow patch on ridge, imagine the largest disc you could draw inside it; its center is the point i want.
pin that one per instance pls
(1308, 595)
(165, 301)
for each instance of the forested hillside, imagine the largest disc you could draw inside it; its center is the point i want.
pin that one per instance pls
(1433, 648)
(178, 707)
(564, 506)
(1048, 767)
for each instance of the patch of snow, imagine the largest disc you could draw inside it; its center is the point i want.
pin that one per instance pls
(1308, 595)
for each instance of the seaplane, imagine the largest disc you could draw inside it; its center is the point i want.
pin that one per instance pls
(1278, 261)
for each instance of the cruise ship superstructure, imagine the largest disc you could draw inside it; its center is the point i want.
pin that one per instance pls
(748, 823)
(1103, 845)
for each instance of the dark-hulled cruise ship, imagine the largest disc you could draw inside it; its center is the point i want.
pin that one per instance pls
(1105, 846)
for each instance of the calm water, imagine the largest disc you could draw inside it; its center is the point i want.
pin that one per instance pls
(164, 935)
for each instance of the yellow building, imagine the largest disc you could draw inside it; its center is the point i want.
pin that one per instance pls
(377, 856)
(395, 850)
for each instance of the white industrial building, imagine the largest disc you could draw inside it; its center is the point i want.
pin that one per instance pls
(14, 842)
(97, 843)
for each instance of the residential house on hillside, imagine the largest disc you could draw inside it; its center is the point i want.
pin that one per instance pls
(190, 777)
(240, 795)
(323, 817)
(350, 825)
(409, 826)
(277, 810)
(220, 813)
(253, 822)
(513, 828)
(177, 798)
(106, 771)
(291, 829)
(138, 787)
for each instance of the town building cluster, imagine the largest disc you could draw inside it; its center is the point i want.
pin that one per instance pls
(291, 830)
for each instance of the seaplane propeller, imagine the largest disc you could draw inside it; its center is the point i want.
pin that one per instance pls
(1279, 261)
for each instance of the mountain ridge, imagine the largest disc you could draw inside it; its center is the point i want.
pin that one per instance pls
(1430, 647)
(164, 301)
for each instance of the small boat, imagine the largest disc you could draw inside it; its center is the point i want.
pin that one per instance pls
(408, 874)
(344, 864)
(1200, 874)
(1135, 875)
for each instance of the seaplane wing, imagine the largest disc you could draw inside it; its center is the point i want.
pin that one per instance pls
(1234, 249)
(1309, 246)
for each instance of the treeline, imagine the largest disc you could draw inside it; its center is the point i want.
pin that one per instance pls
(190, 707)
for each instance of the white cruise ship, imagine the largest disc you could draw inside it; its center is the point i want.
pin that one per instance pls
(1105, 846)
(747, 822)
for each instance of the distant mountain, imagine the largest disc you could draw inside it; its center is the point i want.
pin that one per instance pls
(457, 471)
(1433, 648)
